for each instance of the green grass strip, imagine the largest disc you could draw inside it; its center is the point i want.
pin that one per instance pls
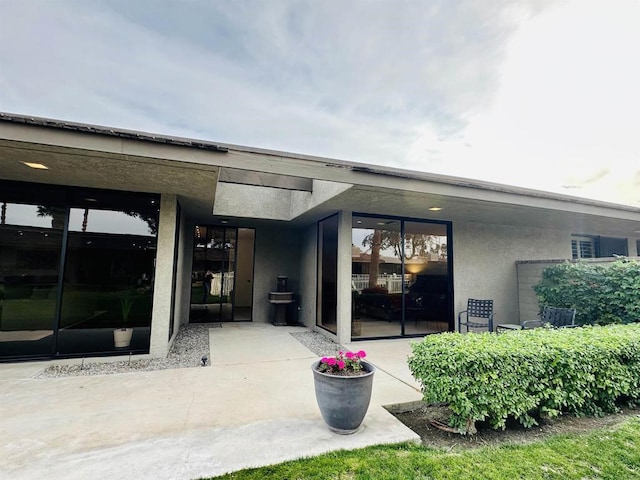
(601, 454)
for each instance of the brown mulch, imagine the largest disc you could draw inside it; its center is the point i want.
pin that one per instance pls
(421, 420)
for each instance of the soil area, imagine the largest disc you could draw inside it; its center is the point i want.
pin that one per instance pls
(419, 420)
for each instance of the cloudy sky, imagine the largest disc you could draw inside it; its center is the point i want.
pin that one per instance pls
(540, 93)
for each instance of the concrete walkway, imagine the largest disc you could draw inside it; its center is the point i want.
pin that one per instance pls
(253, 406)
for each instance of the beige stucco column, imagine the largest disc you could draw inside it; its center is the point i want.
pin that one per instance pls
(344, 277)
(159, 343)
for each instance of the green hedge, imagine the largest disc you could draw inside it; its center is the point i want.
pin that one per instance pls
(528, 374)
(601, 293)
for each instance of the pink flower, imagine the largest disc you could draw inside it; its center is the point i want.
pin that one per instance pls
(342, 363)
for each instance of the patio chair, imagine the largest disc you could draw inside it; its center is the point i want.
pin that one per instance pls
(554, 317)
(479, 314)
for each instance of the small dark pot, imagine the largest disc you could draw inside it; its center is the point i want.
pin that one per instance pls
(343, 401)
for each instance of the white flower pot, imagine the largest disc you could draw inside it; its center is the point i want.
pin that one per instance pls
(122, 337)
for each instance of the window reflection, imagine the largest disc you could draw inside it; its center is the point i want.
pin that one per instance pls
(426, 268)
(377, 280)
(400, 280)
(107, 281)
(30, 243)
(32, 215)
(107, 221)
(108, 270)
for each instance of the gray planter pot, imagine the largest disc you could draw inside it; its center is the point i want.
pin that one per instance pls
(343, 401)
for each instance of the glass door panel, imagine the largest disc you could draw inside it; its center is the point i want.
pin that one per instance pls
(221, 260)
(376, 280)
(328, 274)
(30, 245)
(427, 278)
(220, 255)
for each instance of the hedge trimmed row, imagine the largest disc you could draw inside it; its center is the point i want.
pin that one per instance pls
(601, 293)
(529, 374)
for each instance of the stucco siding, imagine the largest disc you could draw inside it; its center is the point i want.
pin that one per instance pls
(485, 262)
(159, 343)
(277, 253)
(529, 274)
(308, 275)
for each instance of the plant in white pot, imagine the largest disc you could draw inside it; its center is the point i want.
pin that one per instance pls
(343, 390)
(122, 336)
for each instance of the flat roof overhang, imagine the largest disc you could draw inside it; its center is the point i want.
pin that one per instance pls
(100, 157)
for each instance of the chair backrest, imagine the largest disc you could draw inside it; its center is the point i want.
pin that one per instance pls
(479, 308)
(558, 317)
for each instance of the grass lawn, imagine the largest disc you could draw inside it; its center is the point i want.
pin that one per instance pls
(600, 454)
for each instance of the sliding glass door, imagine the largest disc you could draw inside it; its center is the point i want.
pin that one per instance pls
(400, 282)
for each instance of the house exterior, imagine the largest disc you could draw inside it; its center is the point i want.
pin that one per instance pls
(105, 229)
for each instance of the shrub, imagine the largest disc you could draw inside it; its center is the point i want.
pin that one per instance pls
(528, 374)
(602, 294)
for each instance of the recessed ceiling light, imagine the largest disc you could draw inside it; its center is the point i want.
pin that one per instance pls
(224, 222)
(381, 223)
(90, 200)
(358, 222)
(435, 209)
(39, 166)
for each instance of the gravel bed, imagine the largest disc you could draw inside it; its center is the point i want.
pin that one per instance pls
(190, 345)
(188, 349)
(318, 343)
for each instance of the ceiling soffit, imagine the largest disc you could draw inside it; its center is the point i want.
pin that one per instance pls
(194, 184)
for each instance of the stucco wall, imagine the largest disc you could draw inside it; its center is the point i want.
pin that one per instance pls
(159, 343)
(307, 275)
(530, 274)
(485, 262)
(277, 252)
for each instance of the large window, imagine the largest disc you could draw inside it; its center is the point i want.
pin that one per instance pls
(30, 247)
(75, 265)
(400, 278)
(108, 280)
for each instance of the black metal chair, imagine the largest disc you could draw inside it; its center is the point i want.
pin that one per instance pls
(479, 314)
(554, 317)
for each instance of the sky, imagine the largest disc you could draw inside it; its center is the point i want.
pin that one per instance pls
(541, 94)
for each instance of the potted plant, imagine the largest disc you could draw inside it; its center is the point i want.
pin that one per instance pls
(122, 336)
(343, 390)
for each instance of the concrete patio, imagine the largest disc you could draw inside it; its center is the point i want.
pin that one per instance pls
(253, 405)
